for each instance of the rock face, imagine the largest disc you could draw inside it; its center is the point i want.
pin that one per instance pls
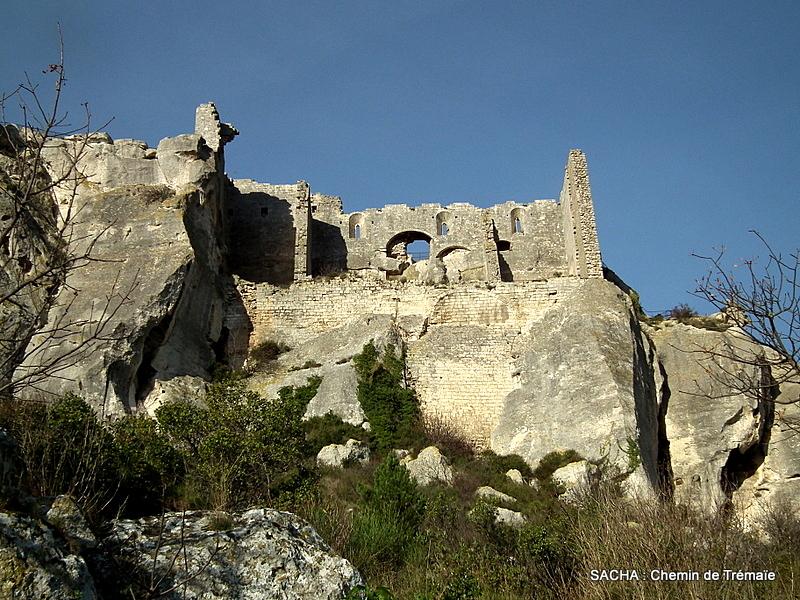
(35, 565)
(726, 441)
(264, 554)
(331, 353)
(153, 303)
(429, 467)
(32, 253)
(341, 455)
(586, 383)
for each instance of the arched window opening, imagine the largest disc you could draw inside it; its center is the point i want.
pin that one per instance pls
(443, 220)
(413, 245)
(516, 221)
(503, 245)
(356, 226)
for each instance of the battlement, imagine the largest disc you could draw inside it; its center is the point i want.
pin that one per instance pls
(284, 233)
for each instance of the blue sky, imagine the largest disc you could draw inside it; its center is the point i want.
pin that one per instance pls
(689, 112)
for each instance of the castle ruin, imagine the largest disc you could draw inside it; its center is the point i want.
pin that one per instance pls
(285, 233)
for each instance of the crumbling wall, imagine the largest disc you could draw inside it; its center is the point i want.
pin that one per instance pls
(580, 230)
(460, 338)
(268, 230)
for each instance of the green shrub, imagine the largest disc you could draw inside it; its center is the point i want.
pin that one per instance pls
(64, 449)
(149, 467)
(392, 510)
(391, 409)
(681, 312)
(553, 461)
(330, 429)
(267, 351)
(241, 449)
(309, 364)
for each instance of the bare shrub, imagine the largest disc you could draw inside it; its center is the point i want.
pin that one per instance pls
(447, 436)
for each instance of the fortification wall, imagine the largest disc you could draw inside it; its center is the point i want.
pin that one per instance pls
(460, 339)
(268, 230)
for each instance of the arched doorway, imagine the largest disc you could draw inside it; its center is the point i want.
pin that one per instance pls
(412, 245)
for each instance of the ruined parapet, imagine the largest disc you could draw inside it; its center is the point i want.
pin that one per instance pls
(207, 124)
(580, 230)
(491, 259)
(301, 212)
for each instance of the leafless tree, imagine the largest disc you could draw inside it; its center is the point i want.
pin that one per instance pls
(40, 244)
(762, 300)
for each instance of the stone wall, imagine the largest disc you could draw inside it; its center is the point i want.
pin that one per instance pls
(580, 230)
(281, 233)
(460, 339)
(268, 230)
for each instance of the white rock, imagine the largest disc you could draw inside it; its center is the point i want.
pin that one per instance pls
(515, 476)
(512, 518)
(429, 467)
(489, 493)
(266, 554)
(576, 479)
(341, 455)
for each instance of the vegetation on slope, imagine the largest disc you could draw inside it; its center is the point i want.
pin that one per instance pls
(410, 543)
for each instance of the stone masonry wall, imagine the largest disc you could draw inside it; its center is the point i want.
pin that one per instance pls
(580, 229)
(263, 230)
(460, 339)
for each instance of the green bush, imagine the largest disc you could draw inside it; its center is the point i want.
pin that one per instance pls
(149, 467)
(392, 510)
(241, 449)
(681, 312)
(330, 429)
(553, 461)
(64, 449)
(391, 409)
(268, 350)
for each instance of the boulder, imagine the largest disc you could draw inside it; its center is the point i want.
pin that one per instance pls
(516, 476)
(341, 455)
(492, 495)
(34, 564)
(181, 387)
(337, 394)
(510, 518)
(68, 520)
(429, 467)
(262, 553)
(586, 382)
(576, 478)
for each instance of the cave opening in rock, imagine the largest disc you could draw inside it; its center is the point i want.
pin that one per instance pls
(144, 380)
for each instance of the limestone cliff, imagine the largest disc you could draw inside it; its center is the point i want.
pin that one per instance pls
(154, 299)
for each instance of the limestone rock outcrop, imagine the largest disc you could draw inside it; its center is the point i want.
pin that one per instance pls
(585, 383)
(35, 564)
(153, 300)
(728, 441)
(263, 554)
(429, 467)
(490, 494)
(341, 455)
